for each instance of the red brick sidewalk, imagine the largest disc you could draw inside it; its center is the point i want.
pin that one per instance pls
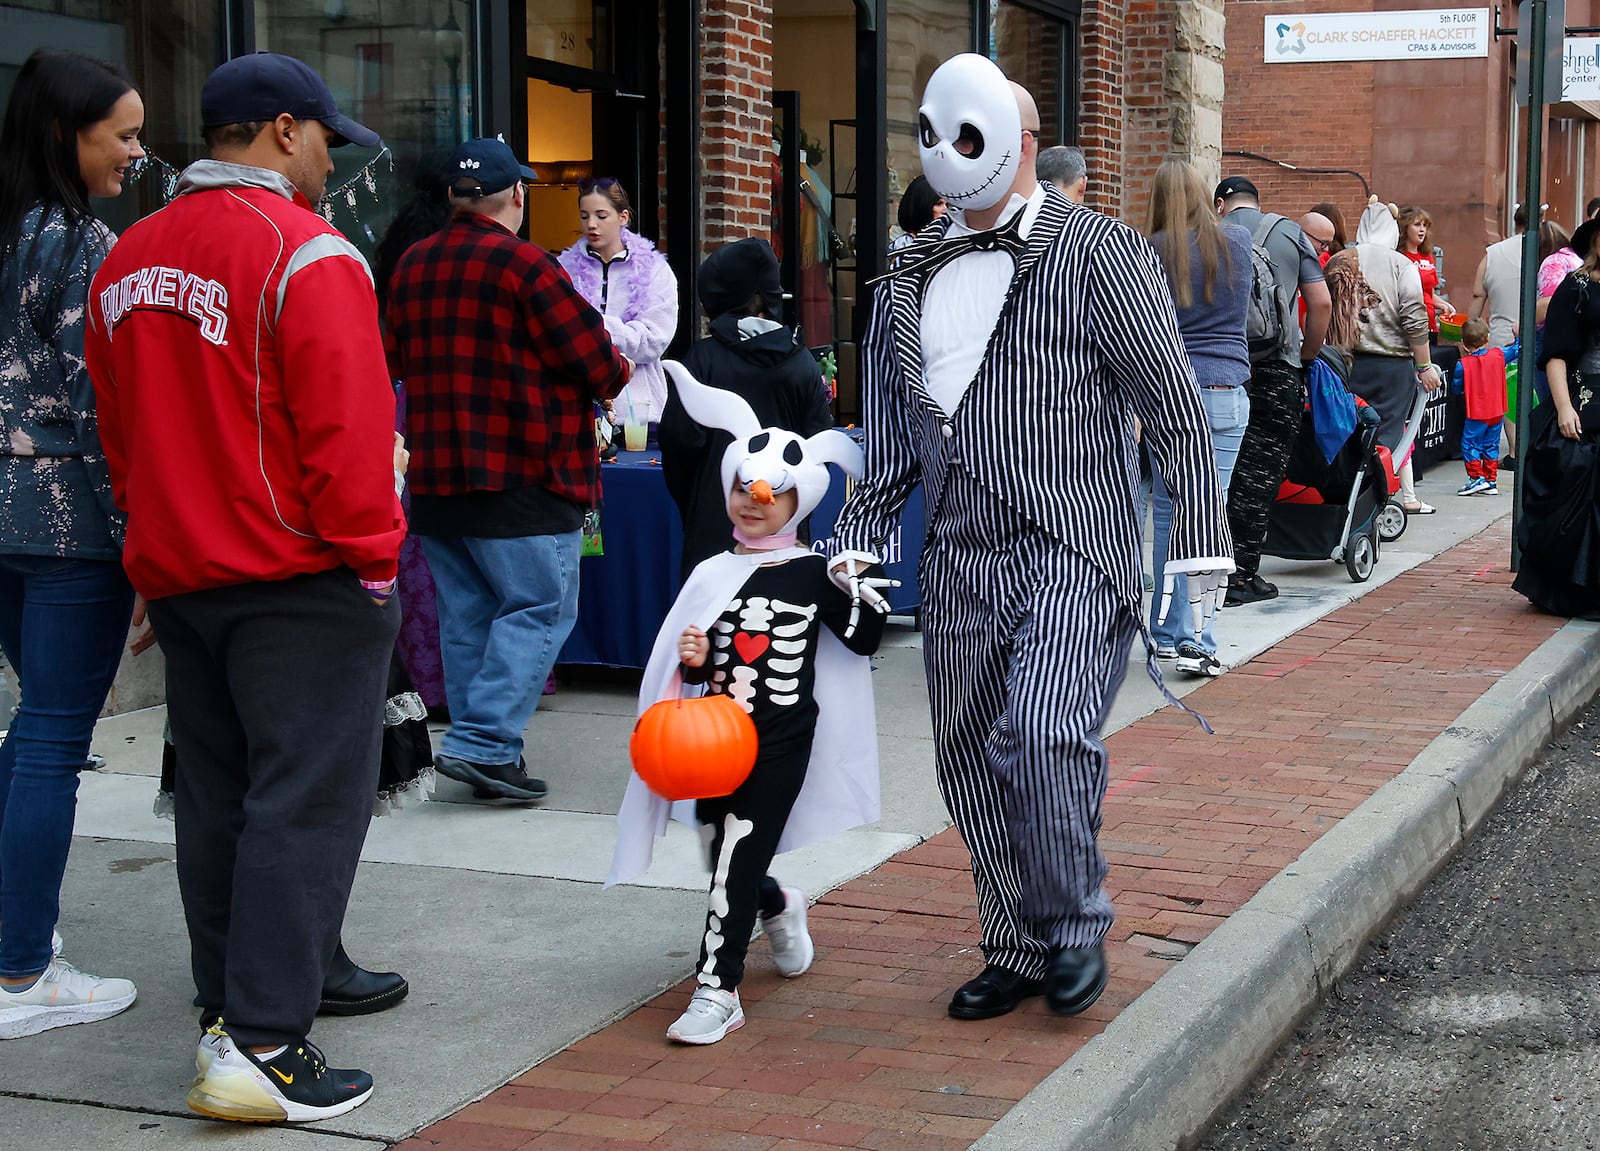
(860, 1053)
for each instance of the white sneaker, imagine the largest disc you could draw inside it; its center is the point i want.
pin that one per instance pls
(208, 1050)
(792, 950)
(712, 1014)
(60, 997)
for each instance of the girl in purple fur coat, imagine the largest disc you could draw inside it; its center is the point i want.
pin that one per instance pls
(629, 283)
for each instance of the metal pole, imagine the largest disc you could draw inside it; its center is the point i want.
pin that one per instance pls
(1533, 182)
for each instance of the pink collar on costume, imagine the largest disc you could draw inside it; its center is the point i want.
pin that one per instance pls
(765, 543)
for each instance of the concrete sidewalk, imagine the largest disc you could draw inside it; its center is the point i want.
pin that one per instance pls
(517, 961)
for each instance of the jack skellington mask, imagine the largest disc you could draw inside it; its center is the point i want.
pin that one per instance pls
(970, 132)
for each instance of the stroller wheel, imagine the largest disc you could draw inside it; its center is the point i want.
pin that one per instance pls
(1360, 557)
(1391, 522)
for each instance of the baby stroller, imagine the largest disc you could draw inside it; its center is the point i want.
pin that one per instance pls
(1337, 499)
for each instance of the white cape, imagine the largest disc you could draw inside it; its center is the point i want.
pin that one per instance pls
(841, 788)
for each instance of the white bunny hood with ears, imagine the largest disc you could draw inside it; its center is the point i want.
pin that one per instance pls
(766, 461)
(1378, 226)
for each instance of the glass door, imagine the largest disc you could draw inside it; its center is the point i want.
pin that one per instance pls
(593, 84)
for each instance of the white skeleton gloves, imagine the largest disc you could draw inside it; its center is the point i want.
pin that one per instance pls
(846, 570)
(1208, 585)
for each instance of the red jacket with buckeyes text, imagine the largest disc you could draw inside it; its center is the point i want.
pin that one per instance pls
(243, 401)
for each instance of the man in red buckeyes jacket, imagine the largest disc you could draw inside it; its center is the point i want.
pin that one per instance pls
(248, 421)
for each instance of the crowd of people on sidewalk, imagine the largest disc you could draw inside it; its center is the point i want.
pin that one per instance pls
(341, 499)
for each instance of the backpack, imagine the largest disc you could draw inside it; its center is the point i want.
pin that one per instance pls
(1266, 317)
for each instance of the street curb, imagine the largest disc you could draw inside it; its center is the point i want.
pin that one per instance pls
(1163, 1068)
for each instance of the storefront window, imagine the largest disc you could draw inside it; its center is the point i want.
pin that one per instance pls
(813, 55)
(922, 35)
(401, 67)
(1036, 50)
(167, 47)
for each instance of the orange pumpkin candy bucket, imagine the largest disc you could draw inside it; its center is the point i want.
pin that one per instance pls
(698, 748)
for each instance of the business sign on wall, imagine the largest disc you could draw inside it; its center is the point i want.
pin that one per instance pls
(1434, 34)
(1580, 70)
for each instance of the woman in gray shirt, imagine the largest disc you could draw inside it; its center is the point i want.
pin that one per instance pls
(1208, 270)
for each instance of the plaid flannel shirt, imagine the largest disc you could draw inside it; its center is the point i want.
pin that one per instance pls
(502, 362)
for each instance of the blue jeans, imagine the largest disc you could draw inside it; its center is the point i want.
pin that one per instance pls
(1227, 413)
(505, 608)
(63, 623)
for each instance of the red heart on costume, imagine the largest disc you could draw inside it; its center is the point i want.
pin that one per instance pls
(750, 647)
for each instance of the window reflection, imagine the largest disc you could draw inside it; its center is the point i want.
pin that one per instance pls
(401, 67)
(167, 48)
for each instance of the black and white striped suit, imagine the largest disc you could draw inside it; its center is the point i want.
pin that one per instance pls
(1030, 567)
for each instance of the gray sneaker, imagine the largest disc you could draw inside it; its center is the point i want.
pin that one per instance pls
(712, 1013)
(60, 997)
(792, 950)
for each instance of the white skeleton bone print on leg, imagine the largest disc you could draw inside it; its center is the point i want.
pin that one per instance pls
(734, 830)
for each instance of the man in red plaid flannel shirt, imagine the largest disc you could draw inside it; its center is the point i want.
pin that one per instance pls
(503, 362)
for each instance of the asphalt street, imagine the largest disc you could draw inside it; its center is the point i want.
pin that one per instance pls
(1472, 1023)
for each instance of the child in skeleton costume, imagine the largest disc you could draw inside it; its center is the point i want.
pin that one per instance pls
(765, 625)
(1002, 369)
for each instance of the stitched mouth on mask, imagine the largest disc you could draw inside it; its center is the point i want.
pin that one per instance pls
(992, 177)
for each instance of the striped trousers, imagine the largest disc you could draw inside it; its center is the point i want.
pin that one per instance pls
(1025, 644)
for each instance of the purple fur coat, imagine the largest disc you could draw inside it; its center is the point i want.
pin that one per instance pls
(641, 313)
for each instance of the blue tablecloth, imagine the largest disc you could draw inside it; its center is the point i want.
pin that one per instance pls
(626, 593)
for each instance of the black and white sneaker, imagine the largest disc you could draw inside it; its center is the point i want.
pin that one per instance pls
(1193, 661)
(294, 1086)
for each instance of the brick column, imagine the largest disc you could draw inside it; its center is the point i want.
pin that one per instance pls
(1100, 122)
(736, 119)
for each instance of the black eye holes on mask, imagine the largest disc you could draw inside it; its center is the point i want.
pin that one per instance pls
(793, 454)
(968, 141)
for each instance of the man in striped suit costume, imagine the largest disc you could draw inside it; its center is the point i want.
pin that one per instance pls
(1003, 373)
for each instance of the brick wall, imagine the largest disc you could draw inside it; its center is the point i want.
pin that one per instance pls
(1312, 115)
(736, 119)
(1100, 124)
(1147, 136)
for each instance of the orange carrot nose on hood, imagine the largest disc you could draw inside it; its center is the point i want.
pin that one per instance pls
(761, 492)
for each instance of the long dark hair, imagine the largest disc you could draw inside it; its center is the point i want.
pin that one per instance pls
(56, 95)
(420, 217)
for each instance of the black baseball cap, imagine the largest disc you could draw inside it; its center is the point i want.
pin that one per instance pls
(489, 164)
(264, 85)
(1236, 186)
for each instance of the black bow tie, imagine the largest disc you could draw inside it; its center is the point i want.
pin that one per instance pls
(924, 258)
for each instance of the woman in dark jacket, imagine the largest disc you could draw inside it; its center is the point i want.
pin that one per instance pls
(1559, 532)
(71, 132)
(748, 353)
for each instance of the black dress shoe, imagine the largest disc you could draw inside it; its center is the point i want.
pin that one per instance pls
(352, 990)
(995, 992)
(1075, 980)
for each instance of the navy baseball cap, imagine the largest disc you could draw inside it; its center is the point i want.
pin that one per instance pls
(485, 166)
(265, 85)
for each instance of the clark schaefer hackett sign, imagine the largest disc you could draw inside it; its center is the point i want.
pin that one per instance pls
(1435, 34)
